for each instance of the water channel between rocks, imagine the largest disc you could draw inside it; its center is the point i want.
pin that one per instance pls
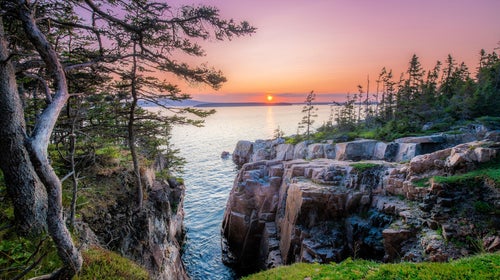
(209, 179)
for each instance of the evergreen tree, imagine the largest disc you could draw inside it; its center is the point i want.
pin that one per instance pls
(119, 32)
(346, 115)
(486, 99)
(309, 112)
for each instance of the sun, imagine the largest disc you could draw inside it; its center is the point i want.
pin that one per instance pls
(269, 98)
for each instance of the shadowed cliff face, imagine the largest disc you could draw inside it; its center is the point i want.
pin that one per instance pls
(284, 211)
(151, 236)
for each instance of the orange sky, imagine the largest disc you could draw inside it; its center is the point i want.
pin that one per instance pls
(331, 46)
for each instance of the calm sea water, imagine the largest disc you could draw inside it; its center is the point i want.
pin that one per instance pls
(209, 179)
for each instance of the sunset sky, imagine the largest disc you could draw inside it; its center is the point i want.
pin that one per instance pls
(331, 46)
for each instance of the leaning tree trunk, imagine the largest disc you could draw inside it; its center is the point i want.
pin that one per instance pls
(23, 186)
(37, 145)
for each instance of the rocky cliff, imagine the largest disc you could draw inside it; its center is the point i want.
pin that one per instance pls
(151, 236)
(313, 203)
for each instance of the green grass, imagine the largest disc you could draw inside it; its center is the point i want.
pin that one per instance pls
(422, 183)
(102, 264)
(487, 171)
(363, 166)
(491, 172)
(485, 266)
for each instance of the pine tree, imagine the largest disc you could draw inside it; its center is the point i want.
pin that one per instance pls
(309, 112)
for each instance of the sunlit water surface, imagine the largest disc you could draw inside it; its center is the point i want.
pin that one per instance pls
(209, 179)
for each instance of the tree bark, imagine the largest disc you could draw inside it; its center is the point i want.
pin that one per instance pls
(23, 186)
(37, 145)
(131, 131)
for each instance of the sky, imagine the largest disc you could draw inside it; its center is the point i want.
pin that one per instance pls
(331, 46)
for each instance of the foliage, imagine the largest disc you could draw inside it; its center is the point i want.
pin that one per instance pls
(489, 121)
(18, 253)
(483, 266)
(440, 98)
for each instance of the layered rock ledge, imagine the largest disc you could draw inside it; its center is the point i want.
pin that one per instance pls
(313, 203)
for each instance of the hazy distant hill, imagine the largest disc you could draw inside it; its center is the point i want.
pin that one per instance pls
(172, 103)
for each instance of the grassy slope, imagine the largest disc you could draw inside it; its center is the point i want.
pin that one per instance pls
(486, 266)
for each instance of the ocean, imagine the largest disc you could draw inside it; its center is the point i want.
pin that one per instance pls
(209, 178)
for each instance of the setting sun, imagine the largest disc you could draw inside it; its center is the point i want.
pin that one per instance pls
(269, 98)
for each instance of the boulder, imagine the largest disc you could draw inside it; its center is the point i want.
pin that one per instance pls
(300, 150)
(315, 151)
(329, 150)
(430, 163)
(355, 150)
(407, 151)
(426, 144)
(466, 156)
(242, 152)
(391, 151)
(379, 150)
(284, 152)
(493, 135)
(393, 242)
(262, 149)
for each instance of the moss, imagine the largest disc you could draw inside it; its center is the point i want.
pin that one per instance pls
(102, 264)
(363, 166)
(488, 171)
(478, 267)
(422, 183)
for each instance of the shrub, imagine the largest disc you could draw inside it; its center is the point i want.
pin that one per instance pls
(489, 121)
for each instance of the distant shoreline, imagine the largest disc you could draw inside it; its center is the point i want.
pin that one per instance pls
(203, 104)
(241, 104)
